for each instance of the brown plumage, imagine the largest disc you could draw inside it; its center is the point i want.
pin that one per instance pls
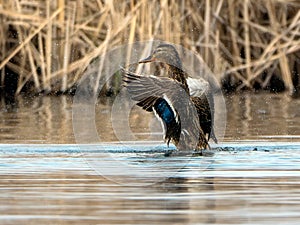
(179, 101)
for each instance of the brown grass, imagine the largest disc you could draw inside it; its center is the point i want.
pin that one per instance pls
(50, 43)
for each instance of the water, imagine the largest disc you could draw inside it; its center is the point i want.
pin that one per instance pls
(46, 178)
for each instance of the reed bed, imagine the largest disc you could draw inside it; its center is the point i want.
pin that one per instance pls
(45, 46)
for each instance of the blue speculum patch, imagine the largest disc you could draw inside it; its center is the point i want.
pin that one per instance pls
(164, 110)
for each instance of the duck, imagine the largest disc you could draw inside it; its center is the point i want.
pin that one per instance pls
(183, 104)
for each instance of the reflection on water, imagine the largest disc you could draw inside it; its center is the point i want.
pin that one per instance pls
(49, 120)
(37, 120)
(45, 177)
(264, 117)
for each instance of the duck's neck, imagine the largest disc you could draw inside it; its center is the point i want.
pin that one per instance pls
(179, 75)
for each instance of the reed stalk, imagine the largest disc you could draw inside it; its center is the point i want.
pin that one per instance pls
(49, 44)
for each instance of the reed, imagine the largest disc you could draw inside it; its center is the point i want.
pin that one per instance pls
(248, 44)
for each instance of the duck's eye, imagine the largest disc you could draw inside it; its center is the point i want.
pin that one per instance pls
(161, 49)
(157, 51)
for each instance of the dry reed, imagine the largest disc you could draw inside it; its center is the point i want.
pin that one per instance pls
(245, 42)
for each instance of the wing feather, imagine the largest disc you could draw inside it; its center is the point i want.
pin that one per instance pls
(146, 89)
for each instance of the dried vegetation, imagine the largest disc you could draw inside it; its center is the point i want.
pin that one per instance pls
(249, 44)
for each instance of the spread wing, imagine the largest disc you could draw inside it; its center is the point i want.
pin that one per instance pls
(149, 88)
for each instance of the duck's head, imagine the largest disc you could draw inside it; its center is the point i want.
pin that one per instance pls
(164, 53)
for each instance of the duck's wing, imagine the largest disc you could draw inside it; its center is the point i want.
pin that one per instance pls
(198, 86)
(142, 88)
(203, 100)
(147, 103)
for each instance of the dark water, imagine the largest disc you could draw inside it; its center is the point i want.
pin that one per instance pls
(46, 178)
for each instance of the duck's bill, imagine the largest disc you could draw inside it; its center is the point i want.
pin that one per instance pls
(146, 60)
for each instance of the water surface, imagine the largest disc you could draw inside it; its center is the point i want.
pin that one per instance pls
(46, 178)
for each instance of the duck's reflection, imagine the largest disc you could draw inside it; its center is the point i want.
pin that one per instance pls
(188, 198)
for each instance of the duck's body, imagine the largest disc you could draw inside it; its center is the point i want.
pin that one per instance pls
(183, 104)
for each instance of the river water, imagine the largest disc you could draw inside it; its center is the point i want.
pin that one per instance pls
(47, 176)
